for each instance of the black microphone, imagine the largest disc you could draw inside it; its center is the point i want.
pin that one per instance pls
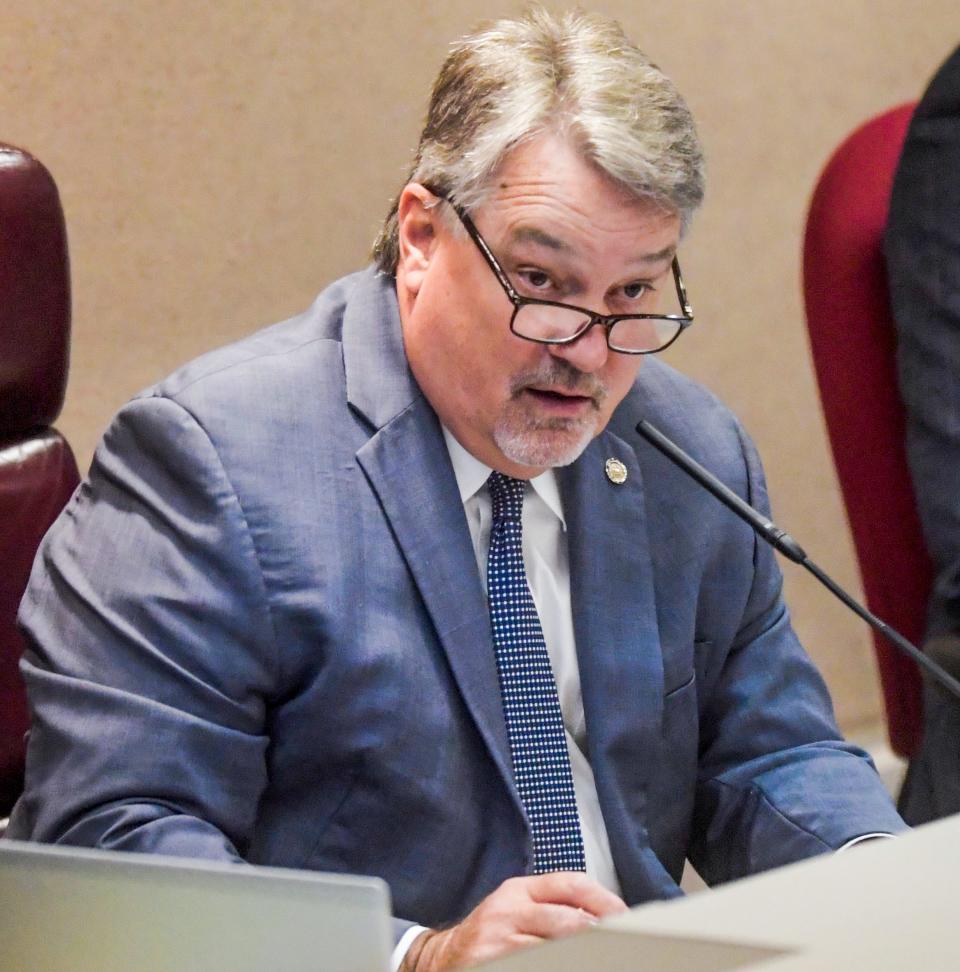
(789, 547)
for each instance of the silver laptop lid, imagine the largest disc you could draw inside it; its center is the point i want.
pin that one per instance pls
(64, 908)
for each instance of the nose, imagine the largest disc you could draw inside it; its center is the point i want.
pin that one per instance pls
(588, 353)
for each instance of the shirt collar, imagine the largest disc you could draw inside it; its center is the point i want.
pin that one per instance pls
(472, 474)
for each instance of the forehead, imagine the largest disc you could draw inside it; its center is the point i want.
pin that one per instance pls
(546, 193)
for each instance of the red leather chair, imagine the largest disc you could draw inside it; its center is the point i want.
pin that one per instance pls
(853, 341)
(37, 469)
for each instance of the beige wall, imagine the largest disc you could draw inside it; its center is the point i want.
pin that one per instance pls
(219, 163)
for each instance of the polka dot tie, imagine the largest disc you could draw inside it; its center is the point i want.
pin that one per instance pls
(531, 707)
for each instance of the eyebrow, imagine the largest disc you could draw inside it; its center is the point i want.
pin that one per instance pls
(667, 253)
(533, 234)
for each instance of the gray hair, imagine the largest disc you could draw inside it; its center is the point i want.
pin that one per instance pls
(575, 73)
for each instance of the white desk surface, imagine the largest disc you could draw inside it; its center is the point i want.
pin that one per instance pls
(884, 906)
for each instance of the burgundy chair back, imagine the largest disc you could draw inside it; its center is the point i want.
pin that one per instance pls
(37, 470)
(853, 341)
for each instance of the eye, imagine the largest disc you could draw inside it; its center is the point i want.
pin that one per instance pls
(535, 279)
(637, 289)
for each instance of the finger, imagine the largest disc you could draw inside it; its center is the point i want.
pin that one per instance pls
(553, 920)
(575, 889)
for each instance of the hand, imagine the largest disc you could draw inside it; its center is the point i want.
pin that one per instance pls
(522, 911)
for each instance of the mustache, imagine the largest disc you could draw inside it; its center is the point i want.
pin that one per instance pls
(560, 374)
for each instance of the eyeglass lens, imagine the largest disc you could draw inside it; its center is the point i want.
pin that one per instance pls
(545, 322)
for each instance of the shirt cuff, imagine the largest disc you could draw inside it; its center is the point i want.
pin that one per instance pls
(858, 840)
(403, 946)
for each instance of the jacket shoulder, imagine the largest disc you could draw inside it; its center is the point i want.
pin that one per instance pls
(290, 345)
(683, 410)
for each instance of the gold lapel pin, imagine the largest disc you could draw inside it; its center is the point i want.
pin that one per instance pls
(616, 471)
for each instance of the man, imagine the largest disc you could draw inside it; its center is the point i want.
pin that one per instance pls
(289, 618)
(923, 261)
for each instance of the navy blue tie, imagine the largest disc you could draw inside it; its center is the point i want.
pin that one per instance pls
(531, 708)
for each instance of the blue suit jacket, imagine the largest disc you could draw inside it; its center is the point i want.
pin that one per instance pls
(258, 631)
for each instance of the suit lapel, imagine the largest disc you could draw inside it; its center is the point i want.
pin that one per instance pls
(407, 465)
(615, 622)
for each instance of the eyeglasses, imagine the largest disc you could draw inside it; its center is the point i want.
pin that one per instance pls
(550, 322)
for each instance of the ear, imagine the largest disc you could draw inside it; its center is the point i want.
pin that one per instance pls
(418, 222)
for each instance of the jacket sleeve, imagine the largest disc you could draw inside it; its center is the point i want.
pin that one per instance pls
(151, 658)
(776, 781)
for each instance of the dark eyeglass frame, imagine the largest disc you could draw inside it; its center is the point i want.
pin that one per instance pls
(607, 321)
